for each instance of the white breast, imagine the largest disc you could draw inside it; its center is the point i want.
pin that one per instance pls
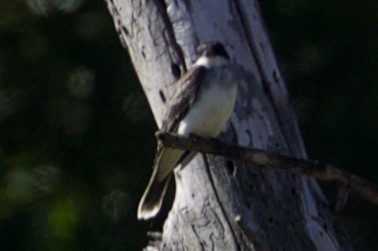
(210, 112)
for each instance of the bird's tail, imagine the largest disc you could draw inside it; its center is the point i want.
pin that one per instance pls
(165, 161)
(152, 198)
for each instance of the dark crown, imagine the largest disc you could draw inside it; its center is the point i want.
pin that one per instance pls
(212, 49)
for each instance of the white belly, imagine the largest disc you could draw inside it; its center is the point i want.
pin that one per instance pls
(210, 113)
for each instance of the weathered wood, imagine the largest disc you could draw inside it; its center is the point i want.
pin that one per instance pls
(276, 209)
(326, 172)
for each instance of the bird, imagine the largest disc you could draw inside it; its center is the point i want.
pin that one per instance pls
(203, 102)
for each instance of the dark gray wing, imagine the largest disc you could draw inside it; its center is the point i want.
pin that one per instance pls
(180, 103)
(166, 159)
(183, 99)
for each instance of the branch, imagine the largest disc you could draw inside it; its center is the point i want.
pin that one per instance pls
(263, 158)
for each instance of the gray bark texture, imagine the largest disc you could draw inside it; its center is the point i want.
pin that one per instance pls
(222, 204)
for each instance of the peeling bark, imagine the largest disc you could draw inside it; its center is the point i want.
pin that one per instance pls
(276, 209)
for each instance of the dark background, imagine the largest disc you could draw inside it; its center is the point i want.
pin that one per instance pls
(77, 135)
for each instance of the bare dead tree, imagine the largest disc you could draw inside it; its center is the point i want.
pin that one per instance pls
(274, 209)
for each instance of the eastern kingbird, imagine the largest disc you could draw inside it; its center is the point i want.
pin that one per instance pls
(203, 102)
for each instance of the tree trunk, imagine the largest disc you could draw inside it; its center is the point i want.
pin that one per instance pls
(223, 204)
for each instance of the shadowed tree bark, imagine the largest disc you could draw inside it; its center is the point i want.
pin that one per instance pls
(219, 203)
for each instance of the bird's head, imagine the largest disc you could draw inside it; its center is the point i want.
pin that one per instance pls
(212, 54)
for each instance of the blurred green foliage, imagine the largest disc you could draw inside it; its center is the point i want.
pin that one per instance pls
(76, 134)
(73, 157)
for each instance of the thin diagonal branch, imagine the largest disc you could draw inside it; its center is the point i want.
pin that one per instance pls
(263, 158)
